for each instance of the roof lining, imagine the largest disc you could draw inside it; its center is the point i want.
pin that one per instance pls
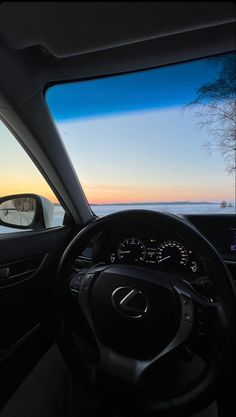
(68, 29)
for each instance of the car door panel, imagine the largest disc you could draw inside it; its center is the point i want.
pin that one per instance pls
(28, 261)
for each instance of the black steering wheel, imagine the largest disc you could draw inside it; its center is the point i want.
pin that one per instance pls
(122, 324)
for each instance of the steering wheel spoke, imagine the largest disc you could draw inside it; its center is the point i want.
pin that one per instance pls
(206, 322)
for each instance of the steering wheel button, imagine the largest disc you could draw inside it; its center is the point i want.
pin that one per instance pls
(73, 292)
(88, 277)
(187, 317)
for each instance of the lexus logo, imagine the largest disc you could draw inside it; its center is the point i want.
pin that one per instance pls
(130, 302)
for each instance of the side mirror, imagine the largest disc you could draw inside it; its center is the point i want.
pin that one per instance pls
(26, 211)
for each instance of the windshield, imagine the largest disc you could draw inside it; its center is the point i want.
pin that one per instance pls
(162, 139)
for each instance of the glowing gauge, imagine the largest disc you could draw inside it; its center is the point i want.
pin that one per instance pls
(131, 250)
(172, 253)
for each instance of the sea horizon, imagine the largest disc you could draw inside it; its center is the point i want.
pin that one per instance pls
(148, 203)
(159, 203)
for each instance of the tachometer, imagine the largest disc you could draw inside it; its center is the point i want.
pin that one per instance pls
(131, 250)
(172, 253)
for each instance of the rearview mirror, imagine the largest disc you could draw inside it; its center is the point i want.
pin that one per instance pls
(26, 211)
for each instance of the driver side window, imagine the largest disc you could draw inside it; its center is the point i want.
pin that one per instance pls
(19, 175)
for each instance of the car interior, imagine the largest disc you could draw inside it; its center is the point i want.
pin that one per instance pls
(132, 312)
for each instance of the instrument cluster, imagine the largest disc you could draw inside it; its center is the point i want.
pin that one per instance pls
(166, 254)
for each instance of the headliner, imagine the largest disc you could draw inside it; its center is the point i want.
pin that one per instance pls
(66, 29)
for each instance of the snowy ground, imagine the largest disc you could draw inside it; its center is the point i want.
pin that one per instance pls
(17, 217)
(102, 210)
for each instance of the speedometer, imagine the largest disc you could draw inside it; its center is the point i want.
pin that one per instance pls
(131, 250)
(172, 253)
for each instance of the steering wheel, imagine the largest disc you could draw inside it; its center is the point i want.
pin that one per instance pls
(122, 324)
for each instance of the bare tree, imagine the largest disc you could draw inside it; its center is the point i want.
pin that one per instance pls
(215, 109)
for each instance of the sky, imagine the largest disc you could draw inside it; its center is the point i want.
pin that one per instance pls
(130, 139)
(18, 173)
(150, 158)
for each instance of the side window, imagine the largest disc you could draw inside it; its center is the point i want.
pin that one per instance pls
(19, 175)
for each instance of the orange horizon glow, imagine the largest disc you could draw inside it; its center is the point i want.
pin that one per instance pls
(99, 193)
(115, 195)
(137, 195)
(28, 188)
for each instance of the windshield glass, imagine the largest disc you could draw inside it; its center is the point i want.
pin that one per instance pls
(162, 139)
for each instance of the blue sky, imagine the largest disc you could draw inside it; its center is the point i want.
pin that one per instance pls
(170, 86)
(130, 139)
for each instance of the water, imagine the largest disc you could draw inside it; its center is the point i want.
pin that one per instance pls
(103, 210)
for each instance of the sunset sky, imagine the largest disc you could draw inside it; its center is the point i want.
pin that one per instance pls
(130, 139)
(18, 172)
(143, 163)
